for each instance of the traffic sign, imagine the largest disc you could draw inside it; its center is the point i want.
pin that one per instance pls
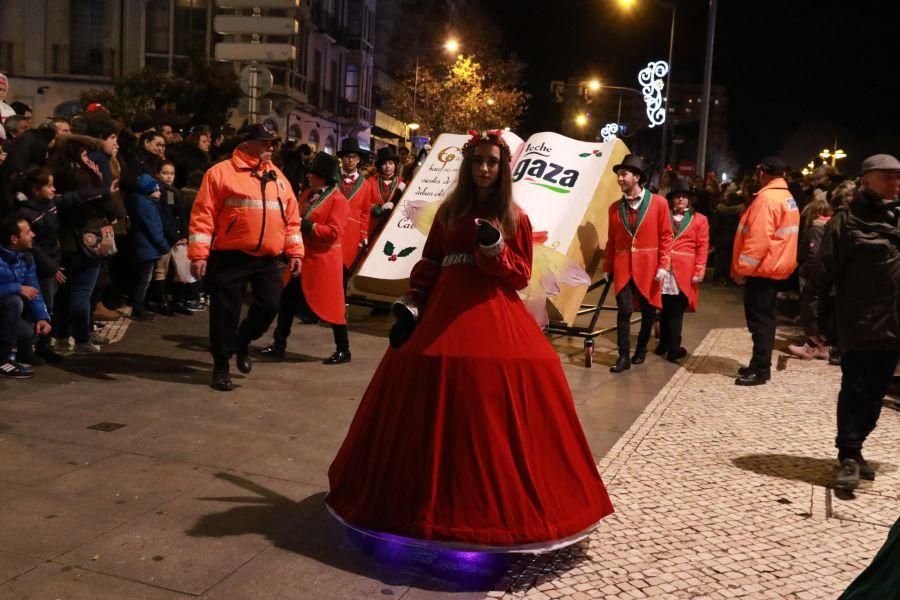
(260, 25)
(262, 52)
(258, 3)
(264, 80)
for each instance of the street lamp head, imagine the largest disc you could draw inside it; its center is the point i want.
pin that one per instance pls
(491, 101)
(452, 46)
(413, 126)
(627, 4)
(581, 120)
(840, 154)
(594, 85)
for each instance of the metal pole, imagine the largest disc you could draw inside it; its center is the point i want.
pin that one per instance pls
(619, 113)
(662, 151)
(415, 88)
(253, 102)
(707, 84)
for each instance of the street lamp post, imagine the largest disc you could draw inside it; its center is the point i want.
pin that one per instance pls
(707, 84)
(451, 46)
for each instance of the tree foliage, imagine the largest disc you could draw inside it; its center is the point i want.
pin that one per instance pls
(205, 92)
(464, 95)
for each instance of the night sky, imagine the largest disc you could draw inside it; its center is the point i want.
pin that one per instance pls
(798, 73)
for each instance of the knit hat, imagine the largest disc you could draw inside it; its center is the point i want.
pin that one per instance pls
(146, 184)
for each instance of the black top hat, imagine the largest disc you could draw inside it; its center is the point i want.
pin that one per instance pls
(680, 187)
(634, 163)
(351, 146)
(773, 165)
(385, 154)
(255, 131)
(325, 166)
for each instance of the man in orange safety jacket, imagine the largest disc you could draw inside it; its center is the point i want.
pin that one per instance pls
(765, 251)
(244, 218)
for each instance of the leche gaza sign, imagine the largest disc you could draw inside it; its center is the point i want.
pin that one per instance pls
(565, 186)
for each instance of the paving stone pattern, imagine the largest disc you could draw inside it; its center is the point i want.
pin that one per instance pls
(720, 492)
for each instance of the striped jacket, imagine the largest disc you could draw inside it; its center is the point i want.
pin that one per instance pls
(766, 241)
(247, 206)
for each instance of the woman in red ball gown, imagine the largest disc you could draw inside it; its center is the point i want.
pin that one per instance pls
(467, 435)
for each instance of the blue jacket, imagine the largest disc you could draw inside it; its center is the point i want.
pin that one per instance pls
(17, 270)
(146, 227)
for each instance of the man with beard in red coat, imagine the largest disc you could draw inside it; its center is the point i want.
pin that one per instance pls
(638, 248)
(681, 286)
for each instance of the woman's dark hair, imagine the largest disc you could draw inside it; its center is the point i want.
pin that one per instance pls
(163, 163)
(100, 129)
(32, 180)
(148, 136)
(194, 137)
(463, 197)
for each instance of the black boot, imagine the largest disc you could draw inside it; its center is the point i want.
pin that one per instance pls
(622, 364)
(677, 354)
(160, 303)
(640, 355)
(45, 350)
(339, 357)
(221, 379)
(274, 351)
(242, 358)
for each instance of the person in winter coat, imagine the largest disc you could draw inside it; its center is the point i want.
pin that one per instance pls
(175, 228)
(22, 310)
(724, 225)
(860, 257)
(637, 256)
(681, 287)
(193, 155)
(148, 238)
(147, 156)
(765, 252)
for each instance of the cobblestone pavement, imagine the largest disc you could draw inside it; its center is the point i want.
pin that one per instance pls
(720, 492)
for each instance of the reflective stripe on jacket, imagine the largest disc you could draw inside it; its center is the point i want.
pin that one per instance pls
(765, 244)
(247, 206)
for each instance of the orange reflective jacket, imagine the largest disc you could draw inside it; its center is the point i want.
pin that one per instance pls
(766, 241)
(247, 206)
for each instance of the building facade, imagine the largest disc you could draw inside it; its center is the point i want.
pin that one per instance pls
(52, 50)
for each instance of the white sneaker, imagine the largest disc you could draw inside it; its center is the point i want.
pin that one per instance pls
(86, 348)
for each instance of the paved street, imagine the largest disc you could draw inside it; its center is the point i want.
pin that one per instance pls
(719, 491)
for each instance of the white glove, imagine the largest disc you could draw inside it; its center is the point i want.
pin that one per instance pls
(661, 274)
(388, 206)
(696, 279)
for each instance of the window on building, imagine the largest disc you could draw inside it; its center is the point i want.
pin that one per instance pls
(157, 26)
(87, 35)
(175, 32)
(351, 84)
(190, 27)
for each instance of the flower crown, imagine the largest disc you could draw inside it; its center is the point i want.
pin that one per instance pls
(489, 136)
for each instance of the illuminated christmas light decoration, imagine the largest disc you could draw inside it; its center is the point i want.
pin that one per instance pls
(609, 131)
(652, 84)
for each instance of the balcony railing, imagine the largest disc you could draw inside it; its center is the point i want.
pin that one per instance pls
(329, 101)
(290, 80)
(355, 111)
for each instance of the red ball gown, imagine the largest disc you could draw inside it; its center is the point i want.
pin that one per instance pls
(467, 434)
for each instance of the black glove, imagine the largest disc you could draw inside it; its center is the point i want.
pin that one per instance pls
(487, 234)
(403, 328)
(306, 226)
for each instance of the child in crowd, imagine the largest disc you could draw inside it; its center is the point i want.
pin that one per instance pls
(150, 242)
(175, 222)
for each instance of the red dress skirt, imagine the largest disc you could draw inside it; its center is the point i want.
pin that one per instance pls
(467, 433)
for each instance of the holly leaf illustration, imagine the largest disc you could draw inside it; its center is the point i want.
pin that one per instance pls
(584, 154)
(406, 251)
(388, 248)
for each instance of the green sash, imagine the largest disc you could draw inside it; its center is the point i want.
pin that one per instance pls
(326, 193)
(679, 229)
(359, 182)
(642, 210)
(391, 190)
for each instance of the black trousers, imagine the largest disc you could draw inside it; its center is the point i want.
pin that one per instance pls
(671, 320)
(625, 304)
(227, 275)
(866, 375)
(759, 310)
(292, 301)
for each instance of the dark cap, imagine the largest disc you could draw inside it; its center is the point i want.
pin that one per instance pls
(680, 187)
(880, 162)
(325, 166)
(773, 165)
(255, 131)
(633, 162)
(384, 155)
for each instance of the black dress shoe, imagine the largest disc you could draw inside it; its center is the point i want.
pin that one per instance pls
(639, 358)
(243, 360)
(622, 364)
(866, 471)
(745, 371)
(181, 309)
(661, 350)
(49, 354)
(272, 352)
(677, 354)
(221, 380)
(751, 379)
(339, 357)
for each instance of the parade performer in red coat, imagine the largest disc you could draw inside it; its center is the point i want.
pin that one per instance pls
(386, 188)
(681, 286)
(359, 195)
(320, 288)
(467, 435)
(638, 249)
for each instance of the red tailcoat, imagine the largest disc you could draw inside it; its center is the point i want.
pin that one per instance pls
(323, 275)
(359, 197)
(380, 194)
(638, 257)
(689, 251)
